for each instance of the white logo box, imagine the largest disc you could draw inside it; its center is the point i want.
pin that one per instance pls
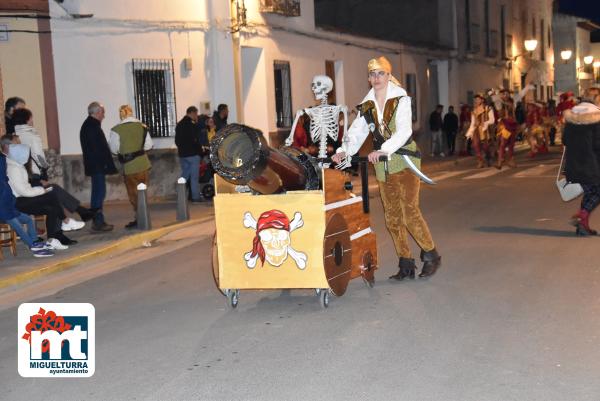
(32, 362)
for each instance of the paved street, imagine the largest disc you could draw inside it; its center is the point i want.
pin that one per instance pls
(513, 314)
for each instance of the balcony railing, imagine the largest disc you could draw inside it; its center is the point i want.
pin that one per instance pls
(288, 8)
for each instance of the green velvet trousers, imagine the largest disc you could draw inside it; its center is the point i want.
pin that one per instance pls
(400, 197)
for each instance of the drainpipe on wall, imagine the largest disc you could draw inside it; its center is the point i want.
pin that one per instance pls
(237, 69)
(49, 85)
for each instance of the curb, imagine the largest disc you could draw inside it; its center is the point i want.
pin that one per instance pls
(123, 244)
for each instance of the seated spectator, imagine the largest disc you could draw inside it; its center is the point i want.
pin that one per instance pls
(15, 219)
(38, 200)
(23, 122)
(12, 104)
(67, 201)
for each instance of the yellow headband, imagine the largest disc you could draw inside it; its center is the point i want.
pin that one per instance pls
(382, 63)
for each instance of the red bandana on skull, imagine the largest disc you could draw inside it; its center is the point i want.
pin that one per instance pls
(269, 219)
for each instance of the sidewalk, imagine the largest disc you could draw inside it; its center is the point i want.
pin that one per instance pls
(162, 214)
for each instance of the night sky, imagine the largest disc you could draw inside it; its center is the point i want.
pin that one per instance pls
(589, 9)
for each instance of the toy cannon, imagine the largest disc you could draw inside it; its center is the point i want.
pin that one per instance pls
(284, 222)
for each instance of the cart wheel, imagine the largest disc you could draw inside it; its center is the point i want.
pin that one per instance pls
(233, 297)
(368, 269)
(324, 298)
(208, 191)
(215, 263)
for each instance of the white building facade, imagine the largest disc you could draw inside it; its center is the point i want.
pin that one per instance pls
(257, 56)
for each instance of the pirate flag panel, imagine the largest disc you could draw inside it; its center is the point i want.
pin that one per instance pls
(268, 241)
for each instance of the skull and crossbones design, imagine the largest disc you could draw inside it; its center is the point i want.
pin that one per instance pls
(272, 241)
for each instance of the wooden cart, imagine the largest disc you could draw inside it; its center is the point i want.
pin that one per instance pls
(317, 239)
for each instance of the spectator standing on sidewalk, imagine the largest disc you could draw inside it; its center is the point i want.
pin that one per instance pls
(11, 104)
(435, 126)
(130, 141)
(189, 148)
(220, 116)
(97, 161)
(450, 127)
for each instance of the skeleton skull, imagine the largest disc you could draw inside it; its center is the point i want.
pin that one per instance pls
(321, 86)
(275, 243)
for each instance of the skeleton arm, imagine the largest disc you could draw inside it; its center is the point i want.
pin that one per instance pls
(353, 140)
(344, 111)
(290, 138)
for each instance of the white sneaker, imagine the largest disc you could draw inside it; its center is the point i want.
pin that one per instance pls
(56, 244)
(442, 154)
(72, 225)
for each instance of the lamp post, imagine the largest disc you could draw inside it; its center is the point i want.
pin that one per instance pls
(565, 55)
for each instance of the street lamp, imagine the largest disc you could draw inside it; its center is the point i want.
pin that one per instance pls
(587, 60)
(530, 45)
(565, 55)
(597, 64)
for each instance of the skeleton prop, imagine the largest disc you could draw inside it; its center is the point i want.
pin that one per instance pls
(324, 118)
(272, 240)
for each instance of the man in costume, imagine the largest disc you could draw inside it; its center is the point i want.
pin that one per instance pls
(386, 113)
(536, 135)
(482, 117)
(507, 126)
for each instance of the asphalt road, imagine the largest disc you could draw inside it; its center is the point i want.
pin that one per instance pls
(513, 314)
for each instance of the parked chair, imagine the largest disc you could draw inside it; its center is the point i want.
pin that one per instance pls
(42, 220)
(8, 239)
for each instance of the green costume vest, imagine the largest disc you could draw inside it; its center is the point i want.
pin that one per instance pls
(381, 134)
(131, 139)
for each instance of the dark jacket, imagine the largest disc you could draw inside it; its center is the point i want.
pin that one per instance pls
(10, 125)
(187, 137)
(450, 122)
(219, 122)
(7, 199)
(581, 137)
(97, 158)
(435, 121)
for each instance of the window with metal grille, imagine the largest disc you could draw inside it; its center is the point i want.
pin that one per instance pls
(154, 92)
(283, 94)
